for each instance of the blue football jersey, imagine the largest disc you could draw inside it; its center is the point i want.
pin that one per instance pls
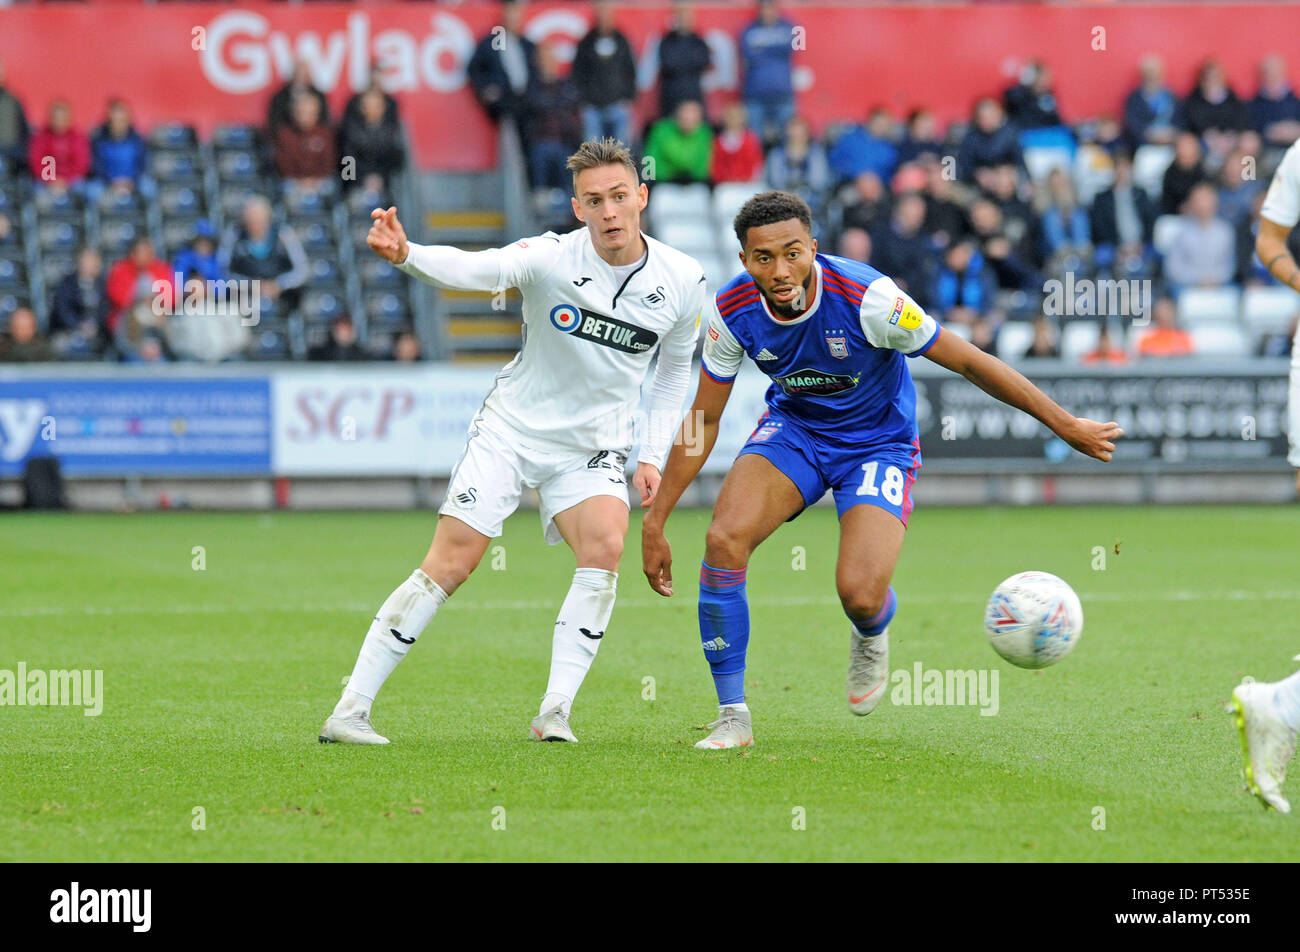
(839, 367)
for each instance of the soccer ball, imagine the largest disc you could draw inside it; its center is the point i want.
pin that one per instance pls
(1033, 619)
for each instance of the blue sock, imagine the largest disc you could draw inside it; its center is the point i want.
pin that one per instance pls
(880, 621)
(724, 629)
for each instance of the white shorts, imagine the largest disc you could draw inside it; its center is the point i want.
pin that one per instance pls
(499, 461)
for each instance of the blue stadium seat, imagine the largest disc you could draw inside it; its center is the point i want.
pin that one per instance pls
(55, 267)
(321, 307)
(176, 234)
(316, 235)
(234, 137)
(325, 273)
(377, 274)
(180, 200)
(59, 235)
(116, 234)
(169, 165)
(51, 204)
(173, 135)
(237, 166)
(385, 308)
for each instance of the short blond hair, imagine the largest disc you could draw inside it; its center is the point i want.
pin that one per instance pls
(594, 153)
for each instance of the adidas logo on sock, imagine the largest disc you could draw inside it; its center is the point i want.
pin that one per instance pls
(766, 354)
(717, 644)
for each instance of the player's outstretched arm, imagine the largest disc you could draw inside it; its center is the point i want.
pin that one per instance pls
(1014, 389)
(447, 267)
(691, 447)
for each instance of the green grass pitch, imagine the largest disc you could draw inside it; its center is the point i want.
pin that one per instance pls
(216, 681)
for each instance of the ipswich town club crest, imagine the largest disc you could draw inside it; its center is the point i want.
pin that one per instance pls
(839, 346)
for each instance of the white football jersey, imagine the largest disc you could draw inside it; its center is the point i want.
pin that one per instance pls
(588, 336)
(1282, 203)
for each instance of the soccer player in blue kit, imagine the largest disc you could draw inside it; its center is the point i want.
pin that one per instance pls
(832, 334)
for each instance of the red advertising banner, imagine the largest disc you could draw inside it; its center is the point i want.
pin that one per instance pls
(207, 64)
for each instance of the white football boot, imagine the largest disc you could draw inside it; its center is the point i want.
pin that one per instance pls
(351, 728)
(1267, 743)
(733, 728)
(553, 725)
(868, 671)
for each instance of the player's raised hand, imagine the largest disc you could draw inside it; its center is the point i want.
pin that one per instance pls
(1092, 438)
(387, 237)
(657, 560)
(646, 480)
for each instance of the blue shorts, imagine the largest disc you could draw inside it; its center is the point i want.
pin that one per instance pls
(873, 474)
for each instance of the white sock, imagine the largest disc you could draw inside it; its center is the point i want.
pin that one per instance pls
(1286, 699)
(586, 608)
(742, 706)
(406, 613)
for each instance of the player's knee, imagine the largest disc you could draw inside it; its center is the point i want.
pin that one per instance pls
(862, 603)
(450, 568)
(602, 553)
(725, 547)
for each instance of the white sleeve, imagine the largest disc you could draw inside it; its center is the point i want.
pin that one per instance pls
(722, 352)
(892, 320)
(514, 266)
(672, 377)
(1282, 203)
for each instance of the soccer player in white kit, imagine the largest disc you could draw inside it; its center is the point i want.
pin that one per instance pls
(1268, 713)
(598, 303)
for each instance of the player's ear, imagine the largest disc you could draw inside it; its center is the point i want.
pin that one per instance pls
(643, 196)
(576, 213)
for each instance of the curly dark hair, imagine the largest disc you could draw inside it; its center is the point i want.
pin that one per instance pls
(768, 208)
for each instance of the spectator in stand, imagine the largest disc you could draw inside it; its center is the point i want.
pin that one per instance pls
(865, 202)
(1045, 343)
(352, 111)
(1020, 224)
(604, 70)
(1151, 111)
(1066, 233)
(766, 49)
(1106, 351)
(868, 148)
(1030, 103)
(965, 286)
(118, 153)
(341, 344)
(921, 139)
(280, 112)
(554, 124)
(854, 244)
(80, 309)
(1165, 338)
(199, 259)
(1213, 111)
(1010, 261)
(140, 279)
(1184, 173)
(372, 137)
(990, 141)
(680, 148)
(1275, 110)
(903, 251)
(684, 58)
(1203, 250)
(261, 250)
(737, 154)
(24, 344)
(502, 67)
(798, 164)
(14, 131)
(406, 348)
(305, 150)
(1238, 187)
(59, 154)
(945, 215)
(1122, 219)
